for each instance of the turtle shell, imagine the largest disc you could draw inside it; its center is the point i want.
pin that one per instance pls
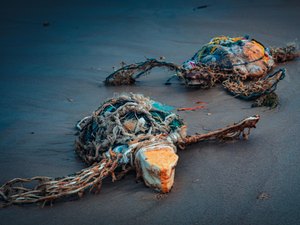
(122, 120)
(240, 55)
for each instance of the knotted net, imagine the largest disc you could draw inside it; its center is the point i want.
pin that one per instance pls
(108, 142)
(240, 64)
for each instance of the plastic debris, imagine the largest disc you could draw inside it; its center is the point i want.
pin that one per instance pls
(240, 64)
(128, 132)
(156, 165)
(191, 108)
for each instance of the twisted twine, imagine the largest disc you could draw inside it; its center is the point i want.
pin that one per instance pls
(110, 162)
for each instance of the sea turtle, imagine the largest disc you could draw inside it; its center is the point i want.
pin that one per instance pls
(126, 132)
(241, 64)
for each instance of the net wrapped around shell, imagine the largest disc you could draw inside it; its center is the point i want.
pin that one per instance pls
(123, 120)
(120, 136)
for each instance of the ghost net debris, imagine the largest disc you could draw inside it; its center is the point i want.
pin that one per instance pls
(240, 64)
(129, 132)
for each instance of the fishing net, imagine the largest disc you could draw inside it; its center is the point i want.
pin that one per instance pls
(119, 121)
(253, 90)
(120, 136)
(241, 56)
(240, 64)
(129, 73)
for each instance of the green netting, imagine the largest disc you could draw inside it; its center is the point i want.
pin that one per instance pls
(240, 64)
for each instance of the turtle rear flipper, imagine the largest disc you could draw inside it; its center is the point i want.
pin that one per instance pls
(128, 74)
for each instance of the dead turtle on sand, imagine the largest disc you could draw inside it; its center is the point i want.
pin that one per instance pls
(126, 132)
(240, 64)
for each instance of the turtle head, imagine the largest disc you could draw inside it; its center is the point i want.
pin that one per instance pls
(198, 78)
(155, 163)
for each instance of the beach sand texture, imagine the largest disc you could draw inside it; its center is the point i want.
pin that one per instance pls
(54, 57)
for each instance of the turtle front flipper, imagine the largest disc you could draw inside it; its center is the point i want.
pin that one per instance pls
(236, 130)
(254, 89)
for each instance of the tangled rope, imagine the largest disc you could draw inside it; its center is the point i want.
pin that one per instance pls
(122, 120)
(285, 54)
(255, 89)
(49, 189)
(129, 73)
(109, 141)
(240, 64)
(234, 131)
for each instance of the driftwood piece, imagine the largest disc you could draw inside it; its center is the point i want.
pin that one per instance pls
(230, 132)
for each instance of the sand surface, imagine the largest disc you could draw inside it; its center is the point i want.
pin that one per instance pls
(51, 76)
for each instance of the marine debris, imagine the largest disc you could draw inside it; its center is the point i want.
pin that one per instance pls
(194, 108)
(201, 105)
(128, 132)
(240, 64)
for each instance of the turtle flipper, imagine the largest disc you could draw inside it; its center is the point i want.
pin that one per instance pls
(254, 89)
(128, 74)
(47, 189)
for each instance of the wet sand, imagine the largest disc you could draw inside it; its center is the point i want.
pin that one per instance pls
(51, 77)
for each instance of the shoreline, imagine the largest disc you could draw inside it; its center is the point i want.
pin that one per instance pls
(51, 77)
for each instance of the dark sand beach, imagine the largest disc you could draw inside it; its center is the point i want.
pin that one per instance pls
(54, 57)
